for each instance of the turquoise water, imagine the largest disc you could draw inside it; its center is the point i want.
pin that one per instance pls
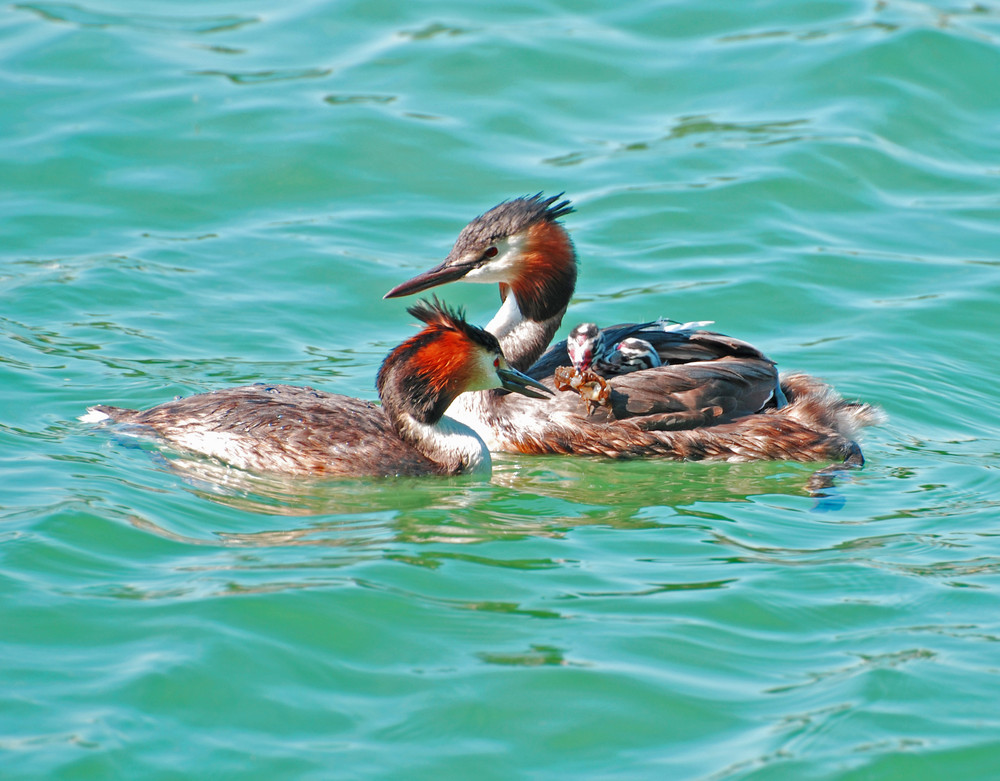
(195, 195)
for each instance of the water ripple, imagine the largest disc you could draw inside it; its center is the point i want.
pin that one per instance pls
(250, 78)
(212, 193)
(81, 16)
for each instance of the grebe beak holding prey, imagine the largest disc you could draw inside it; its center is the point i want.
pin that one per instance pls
(301, 431)
(713, 396)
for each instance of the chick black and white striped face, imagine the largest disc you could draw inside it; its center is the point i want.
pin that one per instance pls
(634, 354)
(585, 345)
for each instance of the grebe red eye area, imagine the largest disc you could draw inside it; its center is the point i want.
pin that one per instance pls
(491, 252)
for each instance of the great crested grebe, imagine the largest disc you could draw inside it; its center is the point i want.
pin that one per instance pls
(296, 430)
(715, 396)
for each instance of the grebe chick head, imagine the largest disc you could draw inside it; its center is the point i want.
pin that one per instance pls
(585, 344)
(634, 354)
(518, 244)
(420, 378)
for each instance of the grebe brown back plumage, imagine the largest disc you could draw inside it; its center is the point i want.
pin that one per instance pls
(715, 397)
(297, 430)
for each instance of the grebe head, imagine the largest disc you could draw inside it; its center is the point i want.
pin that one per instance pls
(421, 377)
(585, 344)
(518, 244)
(634, 354)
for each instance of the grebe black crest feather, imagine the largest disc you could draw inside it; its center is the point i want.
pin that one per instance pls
(513, 216)
(441, 316)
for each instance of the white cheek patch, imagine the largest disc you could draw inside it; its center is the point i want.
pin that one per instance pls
(503, 267)
(485, 376)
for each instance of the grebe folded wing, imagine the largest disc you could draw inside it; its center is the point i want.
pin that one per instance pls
(714, 392)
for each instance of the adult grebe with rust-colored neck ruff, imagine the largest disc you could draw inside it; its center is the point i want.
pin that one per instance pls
(294, 430)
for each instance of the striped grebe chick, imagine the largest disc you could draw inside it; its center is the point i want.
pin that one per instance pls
(588, 348)
(302, 431)
(631, 355)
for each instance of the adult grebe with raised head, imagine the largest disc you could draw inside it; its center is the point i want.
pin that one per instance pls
(713, 397)
(302, 431)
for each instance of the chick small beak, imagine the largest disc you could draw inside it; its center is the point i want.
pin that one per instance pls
(513, 380)
(439, 275)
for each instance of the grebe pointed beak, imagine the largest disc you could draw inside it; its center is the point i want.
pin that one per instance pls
(440, 275)
(513, 380)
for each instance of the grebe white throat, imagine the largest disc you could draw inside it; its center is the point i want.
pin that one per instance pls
(507, 318)
(449, 441)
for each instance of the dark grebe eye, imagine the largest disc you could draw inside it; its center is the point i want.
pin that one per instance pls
(491, 252)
